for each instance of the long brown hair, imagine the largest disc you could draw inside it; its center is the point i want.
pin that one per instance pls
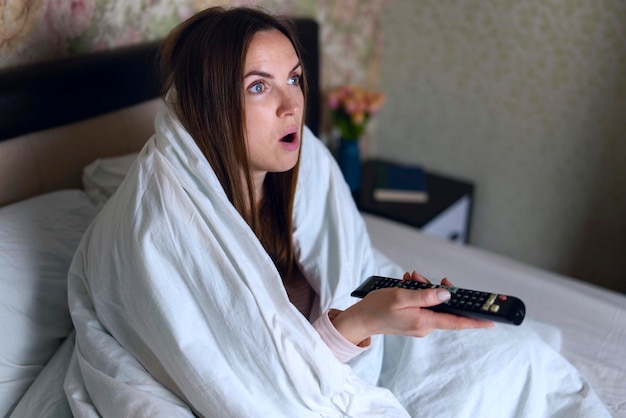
(202, 63)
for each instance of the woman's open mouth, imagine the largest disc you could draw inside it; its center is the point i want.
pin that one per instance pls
(289, 138)
(291, 141)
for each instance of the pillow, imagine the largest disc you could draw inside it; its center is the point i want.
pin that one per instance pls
(102, 177)
(46, 396)
(38, 238)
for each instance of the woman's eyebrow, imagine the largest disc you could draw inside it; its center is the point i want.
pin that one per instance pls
(299, 64)
(268, 75)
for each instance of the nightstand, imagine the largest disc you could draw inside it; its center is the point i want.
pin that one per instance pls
(447, 214)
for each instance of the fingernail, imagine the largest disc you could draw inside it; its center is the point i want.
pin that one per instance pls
(443, 295)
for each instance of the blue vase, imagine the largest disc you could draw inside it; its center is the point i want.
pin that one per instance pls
(349, 159)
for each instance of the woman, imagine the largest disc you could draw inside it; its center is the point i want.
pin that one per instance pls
(252, 141)
(216, 281)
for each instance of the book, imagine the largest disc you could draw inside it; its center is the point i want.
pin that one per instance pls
(400, 183)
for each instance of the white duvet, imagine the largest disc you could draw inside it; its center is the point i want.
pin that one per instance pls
(179, 311)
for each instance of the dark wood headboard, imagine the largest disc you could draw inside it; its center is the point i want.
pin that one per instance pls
(47, 95)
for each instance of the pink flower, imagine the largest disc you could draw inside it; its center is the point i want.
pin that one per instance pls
(351, 108)
(333, 101)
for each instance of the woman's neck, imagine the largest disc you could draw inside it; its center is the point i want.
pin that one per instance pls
(258, 179)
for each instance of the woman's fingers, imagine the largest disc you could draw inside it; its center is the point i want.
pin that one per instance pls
(415, 276)
(454, 322)
(410, 317)
(421, 298)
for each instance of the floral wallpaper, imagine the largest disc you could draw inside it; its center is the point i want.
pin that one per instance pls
(39, 30)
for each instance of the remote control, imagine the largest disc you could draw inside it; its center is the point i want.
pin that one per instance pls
(463, 302)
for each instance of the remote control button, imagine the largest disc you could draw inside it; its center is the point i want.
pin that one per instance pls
(490, 301)
(494, 308)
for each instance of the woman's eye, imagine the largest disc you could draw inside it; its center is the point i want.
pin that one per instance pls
(295, 80)
(257, 88)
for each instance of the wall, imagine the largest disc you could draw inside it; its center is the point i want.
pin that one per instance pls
(527, 100)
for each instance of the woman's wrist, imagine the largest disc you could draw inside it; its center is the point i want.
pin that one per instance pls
(351, 326)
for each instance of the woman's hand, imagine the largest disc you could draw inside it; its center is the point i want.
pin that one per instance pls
(397, 311)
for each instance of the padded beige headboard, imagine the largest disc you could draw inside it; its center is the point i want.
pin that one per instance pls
(53, 159)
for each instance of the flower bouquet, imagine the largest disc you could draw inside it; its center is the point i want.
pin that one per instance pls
(351, 107)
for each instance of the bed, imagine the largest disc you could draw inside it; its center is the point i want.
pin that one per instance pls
(69, 130)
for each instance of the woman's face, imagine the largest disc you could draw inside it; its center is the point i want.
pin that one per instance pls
(273, 104)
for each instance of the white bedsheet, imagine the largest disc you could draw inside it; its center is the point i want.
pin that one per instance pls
(592, 320)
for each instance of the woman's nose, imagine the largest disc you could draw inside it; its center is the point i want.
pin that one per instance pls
(290, 103)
